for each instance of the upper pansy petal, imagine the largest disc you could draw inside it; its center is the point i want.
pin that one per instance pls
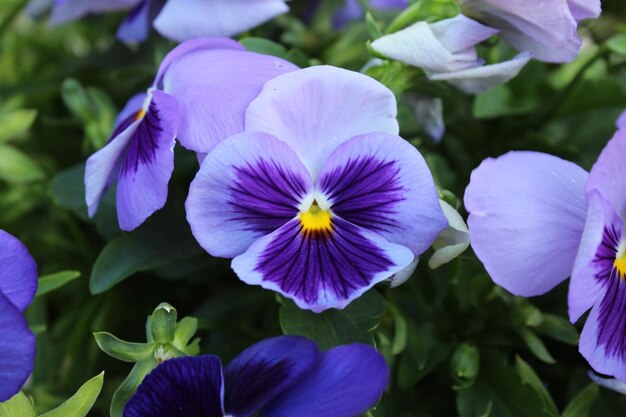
(213, 88)
(348, 381)
(17, 349)
(460, 33)
(479, 79)
(186, 19)
(264, 371)
(248, 186)
(542, 52)
(381, 183)
(18, 272)
(321, 268)
(148, 163)
(607, 175)
(180, 387)
(585, 9)
(316, 109)
(527, 214)
(68, 10)
(389, 4)
(137, 25)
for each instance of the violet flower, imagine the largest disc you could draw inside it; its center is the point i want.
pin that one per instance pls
(446, 51)
(547, 28)
(18, 285)
(178, 20)
(281, 377)
(536, 219)
(318, 199)
(199, 97)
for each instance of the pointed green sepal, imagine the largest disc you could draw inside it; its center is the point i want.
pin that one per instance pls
(81, 402)
(163, 323)
(122, 350)
(17, 406)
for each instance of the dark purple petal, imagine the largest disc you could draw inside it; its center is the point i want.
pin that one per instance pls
(248, 186)
(17, 349)
(18, 272)
(137, 25)
(129, 113)
(348, 381)
(381, 183)
(180, 387)
(148, 163)
(265, 370)
(321, 269)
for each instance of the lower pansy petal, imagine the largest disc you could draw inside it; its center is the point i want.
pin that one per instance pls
(321, 266)
(248, 186)
(264, 371)
(17, 349)
(18, 272)
(381, 183)
(347, 382)
(527, 214)
(148, 163)
(180, 387)
(186, 19)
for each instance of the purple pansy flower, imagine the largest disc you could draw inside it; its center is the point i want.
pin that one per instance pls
(199, 97)
(536, 219)
(281, 377)
(547, 28)
(18, 285)
(318, 199)
(178, 20)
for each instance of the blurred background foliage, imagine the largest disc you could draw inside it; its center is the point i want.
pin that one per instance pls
(457, 344)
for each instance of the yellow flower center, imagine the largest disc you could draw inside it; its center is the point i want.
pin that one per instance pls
(620, 260)
(140, 114)
(316, 220)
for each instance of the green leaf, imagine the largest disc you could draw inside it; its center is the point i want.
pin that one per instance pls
(581, 404)
(465, 365)
(122, 350)
(264, 46)
(499, 101)
(430, 10)
(15, 123)
(129, 386)
(81, 402)
(335, 327)
(536, 346)
(617, 44)
(17, 167)
(559, 329)
(372, 26)
(52, 282)
(18, 406)
(529, 377)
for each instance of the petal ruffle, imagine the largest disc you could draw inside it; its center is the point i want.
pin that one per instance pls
(527, 214)
(213, 88)
(248, 186)
(585, 9)
(316, 109)
(264, 371)
(321, 270)
(17, 349)
(348, 381)
(181, 20)
(18, 273)
(381, 183)
(180, 387)
(148, 162)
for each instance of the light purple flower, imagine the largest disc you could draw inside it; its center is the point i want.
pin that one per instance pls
(285, 376)
(547, 28)
(536, 219)
(352, 9)
(318, 199)
(18, 285)
(179, 20)
(198, 98)
(446, 50)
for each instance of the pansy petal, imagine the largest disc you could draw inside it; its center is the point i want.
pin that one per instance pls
(129, 113)
(18, 272)
(148, 163)
(213, 88)
(612, 384)
(17, 349)
(180, 387)
(248, 186)
(585, 290)
(316, 109)
(321, 269)
(381, 183)
(621, 121)
(186, 19)
(69, 10)
(389, 4)
(137, 25)
(527, 214)
(607, 175)
(404, 274)
(479, 79)
(542, 52)
(585, 9)
(265, 370)
(348, 381)
(460, 33)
